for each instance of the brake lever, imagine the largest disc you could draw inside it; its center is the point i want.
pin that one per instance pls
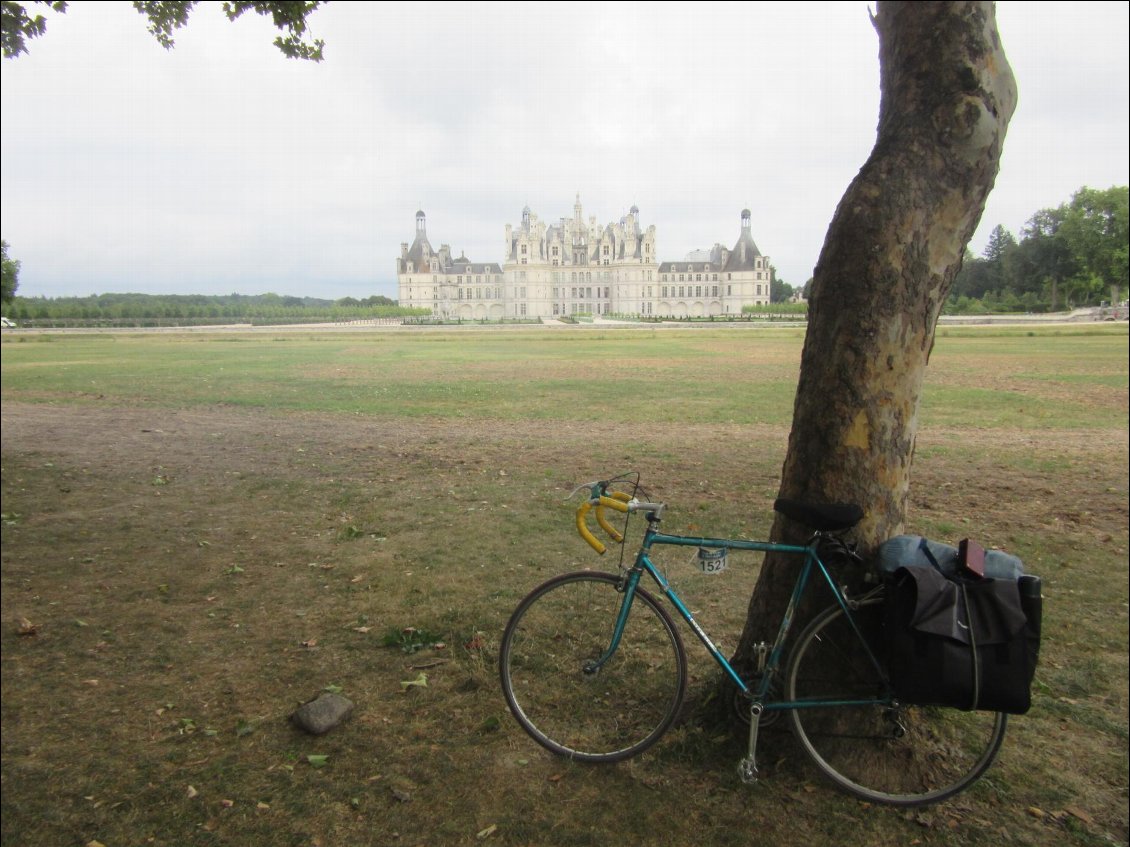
(594, 488)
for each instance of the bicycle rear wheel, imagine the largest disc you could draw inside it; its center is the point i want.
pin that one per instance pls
(545, 661)
(886, 753)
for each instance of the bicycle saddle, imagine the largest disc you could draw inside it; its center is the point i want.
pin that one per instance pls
(823, 517)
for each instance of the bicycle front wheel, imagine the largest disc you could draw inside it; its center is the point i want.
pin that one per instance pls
(883, 752)
(546, 663)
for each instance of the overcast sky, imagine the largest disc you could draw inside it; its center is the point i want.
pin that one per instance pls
(221, 166)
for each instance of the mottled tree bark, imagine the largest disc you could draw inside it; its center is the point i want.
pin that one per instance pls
(891, 253)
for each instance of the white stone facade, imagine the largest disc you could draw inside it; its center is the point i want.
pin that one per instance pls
(578, 267)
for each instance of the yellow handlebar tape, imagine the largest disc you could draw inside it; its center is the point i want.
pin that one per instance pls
(589, 538)
(618, 501)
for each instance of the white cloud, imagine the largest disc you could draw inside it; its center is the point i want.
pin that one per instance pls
(221, 166)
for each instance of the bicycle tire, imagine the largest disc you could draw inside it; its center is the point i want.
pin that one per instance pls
(618, 711)
(938, 753)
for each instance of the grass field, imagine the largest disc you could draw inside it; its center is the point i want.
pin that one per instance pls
(202, 531)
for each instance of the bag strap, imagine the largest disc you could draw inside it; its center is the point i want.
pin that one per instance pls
(974, 655)
(925, 548)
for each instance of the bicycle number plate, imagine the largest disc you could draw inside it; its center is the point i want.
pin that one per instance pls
(711, 561)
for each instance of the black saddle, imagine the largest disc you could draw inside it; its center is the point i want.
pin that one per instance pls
(823, 517)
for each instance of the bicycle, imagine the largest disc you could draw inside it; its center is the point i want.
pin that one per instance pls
(593, 667)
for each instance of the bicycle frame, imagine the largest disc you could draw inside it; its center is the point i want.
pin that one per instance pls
(812, 561)
(835, 694)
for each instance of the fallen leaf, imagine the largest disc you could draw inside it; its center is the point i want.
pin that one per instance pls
(421, 682)
(262, 807)
(361, 629)
(227, 804)
(477, 642)
(191, 792)
(317, 760)
(1081, 814)
(312, 642)
(488, 832)
(26, 627)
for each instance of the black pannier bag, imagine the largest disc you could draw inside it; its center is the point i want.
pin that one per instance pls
(967, 643)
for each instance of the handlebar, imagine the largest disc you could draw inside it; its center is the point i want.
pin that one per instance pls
(600, 499)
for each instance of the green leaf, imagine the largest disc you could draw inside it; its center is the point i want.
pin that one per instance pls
(317, 761)
(244, 727)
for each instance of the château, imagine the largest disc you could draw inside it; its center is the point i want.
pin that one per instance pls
(578, 267)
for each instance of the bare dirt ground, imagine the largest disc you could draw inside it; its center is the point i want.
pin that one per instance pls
(213, 446)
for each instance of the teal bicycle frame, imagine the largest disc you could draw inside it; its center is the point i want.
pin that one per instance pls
(812, 560)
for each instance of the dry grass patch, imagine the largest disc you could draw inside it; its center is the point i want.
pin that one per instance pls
(180, 573)
(194, 575)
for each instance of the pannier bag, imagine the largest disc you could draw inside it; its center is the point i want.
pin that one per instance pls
(963, 642)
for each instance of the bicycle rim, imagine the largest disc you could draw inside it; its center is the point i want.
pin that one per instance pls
(616, 712)
(904, 756)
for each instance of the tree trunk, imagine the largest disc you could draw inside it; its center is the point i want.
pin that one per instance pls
(891, 253)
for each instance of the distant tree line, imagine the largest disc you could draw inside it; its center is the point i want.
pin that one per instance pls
(197, 310)
(1071, 256)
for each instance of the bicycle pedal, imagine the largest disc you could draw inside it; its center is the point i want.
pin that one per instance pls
(747, 770)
